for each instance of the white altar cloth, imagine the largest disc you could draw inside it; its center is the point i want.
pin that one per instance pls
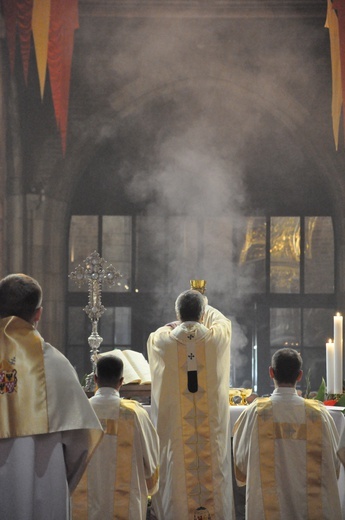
(235, 412)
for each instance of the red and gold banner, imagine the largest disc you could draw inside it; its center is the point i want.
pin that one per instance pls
(63, 22)
(52, 24)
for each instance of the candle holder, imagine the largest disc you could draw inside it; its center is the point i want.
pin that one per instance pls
(95, 271)
(238, 396)
(245, 392)
(233, 394)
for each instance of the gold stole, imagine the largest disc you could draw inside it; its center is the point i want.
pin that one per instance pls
(125, 440)
(196, 434)
(23, 394)
(151, 482)
(311, 432)
(123, 428)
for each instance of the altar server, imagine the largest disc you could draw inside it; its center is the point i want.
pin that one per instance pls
(124, 469)
(48, 430)
(285, 451)
(190, 367)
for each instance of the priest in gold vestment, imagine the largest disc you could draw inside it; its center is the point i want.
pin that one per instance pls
(285, 451)
(48, 430)
(190, 368)
(124, 468)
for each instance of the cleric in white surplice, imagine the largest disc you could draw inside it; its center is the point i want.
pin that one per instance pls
(190, 367)
(48, 429)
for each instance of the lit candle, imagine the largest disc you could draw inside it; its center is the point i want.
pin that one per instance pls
(338, 354)
(330, 366)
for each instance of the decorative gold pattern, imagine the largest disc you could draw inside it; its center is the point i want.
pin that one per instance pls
(284, 247)
(238, 396)
(125, 441)
(196, 434)
(22, 397)
(8, 377)
(311, 432)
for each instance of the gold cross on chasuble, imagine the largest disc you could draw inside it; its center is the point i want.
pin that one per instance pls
(192, 367)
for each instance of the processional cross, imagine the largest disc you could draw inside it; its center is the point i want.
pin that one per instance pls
(95, 271)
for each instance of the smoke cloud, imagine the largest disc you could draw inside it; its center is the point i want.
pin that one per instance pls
(201, 116)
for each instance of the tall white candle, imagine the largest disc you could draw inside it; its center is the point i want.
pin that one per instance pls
(338, 354)
(330, 366)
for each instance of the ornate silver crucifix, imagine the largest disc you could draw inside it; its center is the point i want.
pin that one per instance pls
(95, 271)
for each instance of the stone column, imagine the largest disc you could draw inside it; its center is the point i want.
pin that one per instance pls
(3, 166)
(51, 245)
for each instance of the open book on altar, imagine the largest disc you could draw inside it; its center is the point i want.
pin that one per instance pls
(135, 367)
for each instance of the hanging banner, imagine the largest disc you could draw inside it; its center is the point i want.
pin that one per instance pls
(339, 7)
(63, 23)
(51, 23)
(40, 31)
(337, 97)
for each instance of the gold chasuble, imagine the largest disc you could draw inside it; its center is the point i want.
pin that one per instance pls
(311, 433)
(285, 452)
(190, 367)
(114, 485)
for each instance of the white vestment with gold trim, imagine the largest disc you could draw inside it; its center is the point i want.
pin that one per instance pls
(195, 471)
(284, 451)
(124, 469)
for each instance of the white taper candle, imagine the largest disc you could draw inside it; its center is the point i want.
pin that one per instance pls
(338, 354)
(330, 366)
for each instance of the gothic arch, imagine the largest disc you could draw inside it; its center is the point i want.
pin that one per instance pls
(276, 102)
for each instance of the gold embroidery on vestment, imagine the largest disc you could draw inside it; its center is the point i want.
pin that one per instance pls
(196, 434)
(311, 433)
(23, 394)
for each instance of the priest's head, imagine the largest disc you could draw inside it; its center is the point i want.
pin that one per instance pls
(286, 367)
(190, 306)
(109, 372)
(21, 296)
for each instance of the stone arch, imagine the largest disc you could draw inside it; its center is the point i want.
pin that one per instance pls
(276, 101)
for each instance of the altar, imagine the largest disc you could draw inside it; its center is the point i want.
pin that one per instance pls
(235, 412)
(141, 393)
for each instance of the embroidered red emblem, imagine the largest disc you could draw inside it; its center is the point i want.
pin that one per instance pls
(8, 378)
